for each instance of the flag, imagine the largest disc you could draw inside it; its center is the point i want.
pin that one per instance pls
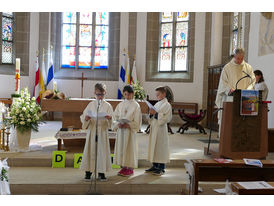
(133, 78)
(122, 76)
(42, 79)
(50, 77)
(127, 78)
(36, 89)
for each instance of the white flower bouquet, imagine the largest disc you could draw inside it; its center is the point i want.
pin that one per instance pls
(25, 113)
(139, 92)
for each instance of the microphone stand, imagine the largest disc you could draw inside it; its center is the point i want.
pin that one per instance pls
(212, 120)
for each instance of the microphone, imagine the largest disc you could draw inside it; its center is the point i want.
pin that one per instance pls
(99, 102)
(246, 75)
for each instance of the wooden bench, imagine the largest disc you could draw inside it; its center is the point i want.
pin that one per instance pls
(240, 190)
(191, 108)
(235, 171)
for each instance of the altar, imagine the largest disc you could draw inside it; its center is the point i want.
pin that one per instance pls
(74, 107)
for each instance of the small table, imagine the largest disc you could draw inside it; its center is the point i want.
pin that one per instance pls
(79, 138)
(64, 135)
(240, 190)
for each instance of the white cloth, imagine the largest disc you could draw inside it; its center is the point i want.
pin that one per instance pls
(262, 86)
(103, 152)
(158, 147)
(231, 73)
(125, 152)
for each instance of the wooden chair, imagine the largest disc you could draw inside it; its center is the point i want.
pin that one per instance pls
(191, 120)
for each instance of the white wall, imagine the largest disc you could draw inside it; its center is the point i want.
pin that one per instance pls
(216, 38)
(33, 47)
(264, 63)
(183, 92)
(7, 84)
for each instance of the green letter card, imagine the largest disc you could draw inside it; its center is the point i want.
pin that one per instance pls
(77, 159)
(58, 159)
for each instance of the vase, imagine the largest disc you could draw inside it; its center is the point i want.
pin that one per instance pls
(23, 140)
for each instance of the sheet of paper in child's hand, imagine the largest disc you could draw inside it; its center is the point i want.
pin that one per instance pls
(123, 121)
(150, 106)
(101, 115)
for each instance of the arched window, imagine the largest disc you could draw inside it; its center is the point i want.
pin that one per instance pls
(7, 50)
(85, 40)
(173, 45)
(236, 36)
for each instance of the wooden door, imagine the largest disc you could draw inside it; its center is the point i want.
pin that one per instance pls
(214, 73)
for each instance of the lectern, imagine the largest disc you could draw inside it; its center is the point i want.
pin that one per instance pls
(243, 136)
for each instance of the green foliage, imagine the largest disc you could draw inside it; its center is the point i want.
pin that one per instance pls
(4, 175)
(25, 113)
(15, 95)
(139, 92)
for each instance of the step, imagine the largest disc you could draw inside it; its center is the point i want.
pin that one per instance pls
(47, 162)
(69, 181)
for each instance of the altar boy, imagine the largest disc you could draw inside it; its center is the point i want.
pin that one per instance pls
(158, 148)
(103, 149)
(125, 153)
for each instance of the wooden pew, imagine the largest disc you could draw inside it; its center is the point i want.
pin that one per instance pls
(236, 171)
(240, 190)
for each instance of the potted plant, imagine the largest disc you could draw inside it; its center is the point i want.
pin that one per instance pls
(25, 116)
(139, 92)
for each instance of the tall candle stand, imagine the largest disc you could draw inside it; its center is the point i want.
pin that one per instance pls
(3, 138)
(7, 148)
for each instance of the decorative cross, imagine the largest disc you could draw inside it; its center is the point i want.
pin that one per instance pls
(82, 83)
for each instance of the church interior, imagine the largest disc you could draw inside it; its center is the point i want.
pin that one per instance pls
(60, 57)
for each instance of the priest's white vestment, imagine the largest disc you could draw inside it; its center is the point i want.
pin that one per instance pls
(231, 73)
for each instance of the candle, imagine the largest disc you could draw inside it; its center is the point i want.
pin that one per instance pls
(54, 86)
(17, 76)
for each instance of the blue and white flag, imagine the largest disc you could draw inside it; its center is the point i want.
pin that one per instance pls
(122, 75)
(50, 78)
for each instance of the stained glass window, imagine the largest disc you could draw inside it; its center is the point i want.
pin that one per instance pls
(85, 40)
(181, 33)
(166, 35)
(173, 41)
(167, 16)
(236, 31)
(165, 58)
(7, 38)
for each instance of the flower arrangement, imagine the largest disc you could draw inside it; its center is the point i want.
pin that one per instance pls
(25, 113)
(139, 92)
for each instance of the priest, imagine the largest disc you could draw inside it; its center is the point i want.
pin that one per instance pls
(232, 72)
